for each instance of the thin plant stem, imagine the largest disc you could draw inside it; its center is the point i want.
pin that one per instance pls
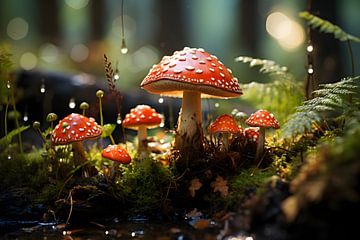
(16, 121)
(101, 114)
(6, 113)
(111, 139)
(122, 20)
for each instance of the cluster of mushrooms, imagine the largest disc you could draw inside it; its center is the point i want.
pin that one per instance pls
(190, 74)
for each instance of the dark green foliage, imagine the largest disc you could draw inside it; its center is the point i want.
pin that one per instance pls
(327, 27)
(340, 99)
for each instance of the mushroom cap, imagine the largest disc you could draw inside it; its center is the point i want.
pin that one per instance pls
(116, 153)
(225, 124)
(262, 118)
(191, 69)
(142, 115)
(252, 133)
(75, 127)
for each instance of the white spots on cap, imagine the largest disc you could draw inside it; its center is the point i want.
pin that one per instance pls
(172, 64)
(182, 58)
(224, 123)
(74, 123)
(189, 68)
(262, 118)
(193, 66)
(229, 70)
(141, 115)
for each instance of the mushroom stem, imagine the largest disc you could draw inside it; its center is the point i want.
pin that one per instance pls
(225, 139)
(260, 145)
(189, 132)
(142, 135)
(79, 153)
(80, 158)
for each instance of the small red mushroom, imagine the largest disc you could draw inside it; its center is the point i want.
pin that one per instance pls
(262, 119)
(225, 125)
(191, 74)
(141, 118)
(74, 129)
(116, 153)
(252, 134)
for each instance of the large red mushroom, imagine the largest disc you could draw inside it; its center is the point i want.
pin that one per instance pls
(191, 74)
(262, 119)
(74, 129)
(141, 118)
(225, 125)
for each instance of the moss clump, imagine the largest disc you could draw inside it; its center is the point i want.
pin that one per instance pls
(145, 185)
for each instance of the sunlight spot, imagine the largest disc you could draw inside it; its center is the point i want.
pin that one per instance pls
(79, 53)
(49, 53)
(287, 32)
(28, 61)
(17, 28)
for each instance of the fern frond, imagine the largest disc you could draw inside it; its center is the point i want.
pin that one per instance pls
(266, 66)
(331, 98)
(327, 27)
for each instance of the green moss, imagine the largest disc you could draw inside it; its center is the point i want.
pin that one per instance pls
(145, 184)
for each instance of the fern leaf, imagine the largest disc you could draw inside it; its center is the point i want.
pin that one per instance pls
(266, 66)
(331, 98)
(327, 27)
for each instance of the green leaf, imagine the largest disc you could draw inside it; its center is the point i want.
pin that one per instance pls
(107, 130)
(330, 98)
(327, 27)
(6, 140)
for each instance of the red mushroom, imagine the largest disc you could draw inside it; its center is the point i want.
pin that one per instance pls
(252, 134)
(225, 125)
(117, 154)
(141, 118)
(191, 74)
(74, 129)
(262, 119)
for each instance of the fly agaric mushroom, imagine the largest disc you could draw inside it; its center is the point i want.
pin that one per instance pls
(262, 119)
(191, 74)
(252, 134)
(225, 125)
(74, 129)
(141, 118)
(117, 154)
